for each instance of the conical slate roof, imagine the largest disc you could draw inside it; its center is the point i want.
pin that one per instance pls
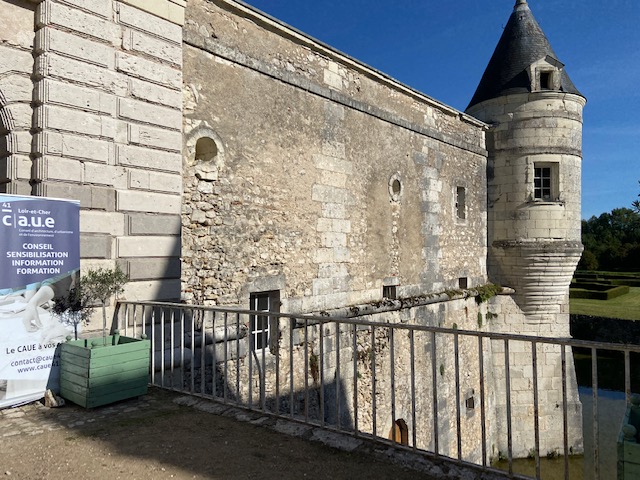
(522, 43)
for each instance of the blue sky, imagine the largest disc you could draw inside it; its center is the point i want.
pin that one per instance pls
(442, 48)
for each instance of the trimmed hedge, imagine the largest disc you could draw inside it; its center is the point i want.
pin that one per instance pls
(602, 285)
(630, 282)
(598, 287)
(598, 293)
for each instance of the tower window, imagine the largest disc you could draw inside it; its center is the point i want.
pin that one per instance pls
(545, 81)
(461, 203)
(542, 183)
(263, 327)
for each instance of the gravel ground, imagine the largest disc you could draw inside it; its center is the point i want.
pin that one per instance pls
(155, 438)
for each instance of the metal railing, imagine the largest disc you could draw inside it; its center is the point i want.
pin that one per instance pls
(384, 381)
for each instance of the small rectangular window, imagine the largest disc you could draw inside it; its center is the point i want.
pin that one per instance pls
(390, 292)
(463, 282)
(461, 203)
(542, 183)
(263, 328)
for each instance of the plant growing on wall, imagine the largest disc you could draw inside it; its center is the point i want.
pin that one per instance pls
(485, 292)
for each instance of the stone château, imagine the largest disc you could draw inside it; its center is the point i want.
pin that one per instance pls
(222, 157)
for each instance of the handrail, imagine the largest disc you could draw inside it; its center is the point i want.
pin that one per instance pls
(358, 376)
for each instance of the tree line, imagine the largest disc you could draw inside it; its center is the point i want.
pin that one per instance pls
(612, 240)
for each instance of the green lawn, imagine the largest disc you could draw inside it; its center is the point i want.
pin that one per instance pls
(627, 306)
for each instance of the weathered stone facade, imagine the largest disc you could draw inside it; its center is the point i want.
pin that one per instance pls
(219, 154)
(299, 188)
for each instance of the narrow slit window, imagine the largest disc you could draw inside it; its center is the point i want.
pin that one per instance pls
(461, 203)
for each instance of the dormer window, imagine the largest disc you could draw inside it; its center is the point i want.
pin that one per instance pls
(545, 74)
(546, 81)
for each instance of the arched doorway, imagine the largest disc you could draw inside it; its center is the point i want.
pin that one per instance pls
(399, 432)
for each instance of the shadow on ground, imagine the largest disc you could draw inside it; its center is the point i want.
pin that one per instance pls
(155, 437)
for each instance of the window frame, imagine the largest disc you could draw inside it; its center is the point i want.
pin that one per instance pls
(270, 323)
(545, 179)
(460, 203)
(390, 292)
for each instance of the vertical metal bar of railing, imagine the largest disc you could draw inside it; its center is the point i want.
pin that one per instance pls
(253, 326)
(154, 343)
(225, 340)
(172, 346)
(483, 415)
(536, 406)
(565, 413)
(507, 372)
(189, 334)
(203, 350)
(163, 345)
(135, 323)
(456, 361)
(392, 383)
(321, 367)
(182, 341)
(214, 356)
(354, 347)
(338, 377)
(262, 369)
(291, 325)
(277, 361)
(372, 355)
(596, 439)
(306, 371)
(143, 318)
(238, 398)
(434, 392)
(121, 319)
(627, 376)
(412, 356)
(126, 325)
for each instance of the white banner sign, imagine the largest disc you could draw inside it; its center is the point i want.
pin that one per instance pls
(39, 260)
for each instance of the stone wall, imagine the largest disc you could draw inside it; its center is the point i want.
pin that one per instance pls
(319, 368)
(92, 110)
(322, 178)
(16, 87)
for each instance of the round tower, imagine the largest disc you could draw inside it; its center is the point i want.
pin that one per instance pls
(534, 165)
(534, 146)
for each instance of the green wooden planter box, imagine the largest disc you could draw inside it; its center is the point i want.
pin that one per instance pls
(628, 446)
(93, 374)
